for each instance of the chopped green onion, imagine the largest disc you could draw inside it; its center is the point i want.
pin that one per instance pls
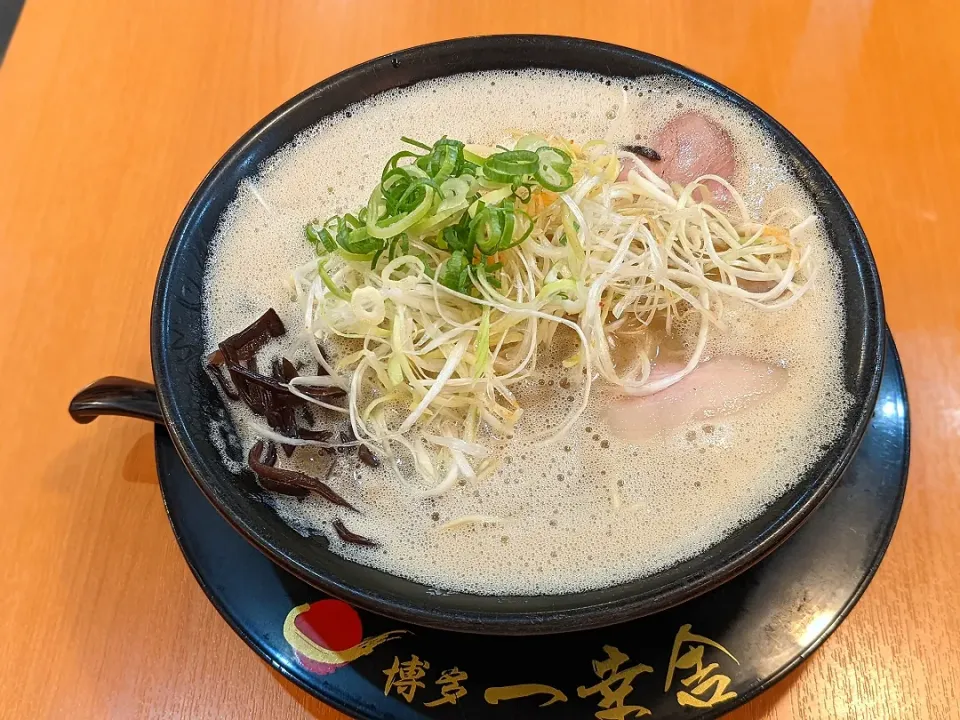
(553, 169)
(460, 199)
(330, 284)
(486, 230)
(514, 163)
(530, 142)
(320, 239)
(512, 241)
(416, 143)
(396, 224)
(455, 274)
(476, 154)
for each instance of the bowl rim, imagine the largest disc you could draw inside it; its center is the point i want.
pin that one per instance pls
(515, 622)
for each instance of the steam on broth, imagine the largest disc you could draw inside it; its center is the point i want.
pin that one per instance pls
(612, 334)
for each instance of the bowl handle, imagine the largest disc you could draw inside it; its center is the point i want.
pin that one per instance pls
(116, 396)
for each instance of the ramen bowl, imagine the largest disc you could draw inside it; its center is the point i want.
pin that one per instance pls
(187, 402)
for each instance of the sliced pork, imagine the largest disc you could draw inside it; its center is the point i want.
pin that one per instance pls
(689, 146)
(717, 387)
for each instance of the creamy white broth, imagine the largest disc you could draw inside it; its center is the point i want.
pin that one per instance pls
(590, 510)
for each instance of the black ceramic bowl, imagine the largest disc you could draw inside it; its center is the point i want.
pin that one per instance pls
(189, 400)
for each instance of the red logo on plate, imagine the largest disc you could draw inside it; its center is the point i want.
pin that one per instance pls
(328, 634)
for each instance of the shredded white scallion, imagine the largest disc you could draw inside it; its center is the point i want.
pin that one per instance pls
(433, 367)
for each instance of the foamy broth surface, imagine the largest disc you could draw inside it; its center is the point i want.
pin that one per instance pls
(680, 492)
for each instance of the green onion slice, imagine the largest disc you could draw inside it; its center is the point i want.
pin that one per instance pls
(513, 163)
(486, 230)
(321, 240)
(383, 227)
(552, 171)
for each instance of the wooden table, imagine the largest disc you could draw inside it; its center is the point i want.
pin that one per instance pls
(111, 112)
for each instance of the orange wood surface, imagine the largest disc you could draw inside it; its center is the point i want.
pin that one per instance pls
(110, 114)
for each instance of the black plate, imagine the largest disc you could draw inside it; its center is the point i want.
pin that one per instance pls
(769, 618)
(189, 399)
